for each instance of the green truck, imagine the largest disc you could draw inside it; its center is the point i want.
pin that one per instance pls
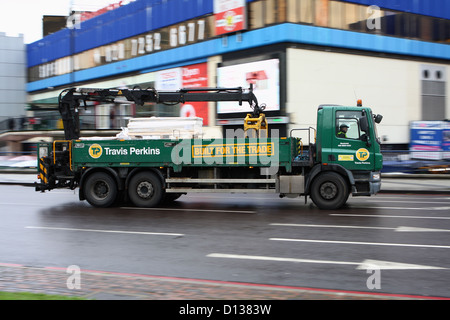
(341, 157)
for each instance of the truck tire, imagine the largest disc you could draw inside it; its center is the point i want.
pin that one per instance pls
(329, 191)
(100, 189)
(145, 190)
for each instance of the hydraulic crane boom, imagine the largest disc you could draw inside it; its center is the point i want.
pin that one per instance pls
(70, 100)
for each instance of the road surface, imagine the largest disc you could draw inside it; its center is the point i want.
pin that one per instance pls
(387, 244)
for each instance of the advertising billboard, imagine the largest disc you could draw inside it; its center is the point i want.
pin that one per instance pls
(265, 77)
(193, 76)
(430, 140)
(167, 80)
(446, 140)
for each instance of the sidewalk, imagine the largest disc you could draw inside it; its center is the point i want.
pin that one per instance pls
(415, 183)
(391, 182)
(102, 285)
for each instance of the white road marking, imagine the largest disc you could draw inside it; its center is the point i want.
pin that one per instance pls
(387, 265)
(366, 264)
(109, 231)
(429, 197)
(363, 243)
(327, 226)
(264, 258)
(180, 209)
(398, 229)
(387, 216)
(406, 201)
(414, 229)
(403, 208)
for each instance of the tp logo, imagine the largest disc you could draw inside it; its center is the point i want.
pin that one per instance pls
(95, 151)
(362, 154)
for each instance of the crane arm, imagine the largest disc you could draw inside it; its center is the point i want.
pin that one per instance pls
(70, 100)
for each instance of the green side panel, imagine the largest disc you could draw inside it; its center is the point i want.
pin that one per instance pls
(188, 152)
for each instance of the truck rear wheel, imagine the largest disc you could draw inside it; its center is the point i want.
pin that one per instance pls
(145, 190)
(329, 191)
(100, 190)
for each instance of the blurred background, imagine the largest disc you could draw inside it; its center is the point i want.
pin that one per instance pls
(298, 54)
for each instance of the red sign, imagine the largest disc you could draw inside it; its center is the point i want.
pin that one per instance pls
(89, 15)
(195, 76)
(229, 15)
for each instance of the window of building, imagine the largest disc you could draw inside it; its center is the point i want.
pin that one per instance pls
(441, 32)
(307, 11)
(270, 9)
(336, 15)
(321, 13)
(354, 17)
(292, 11)
(414, 26)
(426, 28)
(256, 15)
(281, 10)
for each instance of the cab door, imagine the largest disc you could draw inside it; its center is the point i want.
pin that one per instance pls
(351, 149)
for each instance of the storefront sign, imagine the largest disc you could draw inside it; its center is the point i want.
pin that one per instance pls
(229, 15)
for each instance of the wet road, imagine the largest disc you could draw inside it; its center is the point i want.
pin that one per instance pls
(396, 244)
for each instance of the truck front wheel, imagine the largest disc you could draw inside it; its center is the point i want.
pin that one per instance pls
(329, 191)
(100, 190)
(145, 190)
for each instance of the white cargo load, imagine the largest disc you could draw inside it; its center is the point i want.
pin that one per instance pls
(163, 128)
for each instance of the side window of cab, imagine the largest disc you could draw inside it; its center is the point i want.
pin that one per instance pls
(347, 125)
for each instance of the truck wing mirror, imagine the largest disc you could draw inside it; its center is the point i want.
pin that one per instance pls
(378, 118)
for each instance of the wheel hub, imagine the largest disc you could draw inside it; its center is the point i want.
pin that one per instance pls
(145, 189)
(328, 190)
(101, 189)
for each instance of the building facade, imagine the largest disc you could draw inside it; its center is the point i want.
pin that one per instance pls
(298, 54)
(12, 81)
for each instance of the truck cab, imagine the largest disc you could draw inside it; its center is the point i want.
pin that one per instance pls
(347, 143)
